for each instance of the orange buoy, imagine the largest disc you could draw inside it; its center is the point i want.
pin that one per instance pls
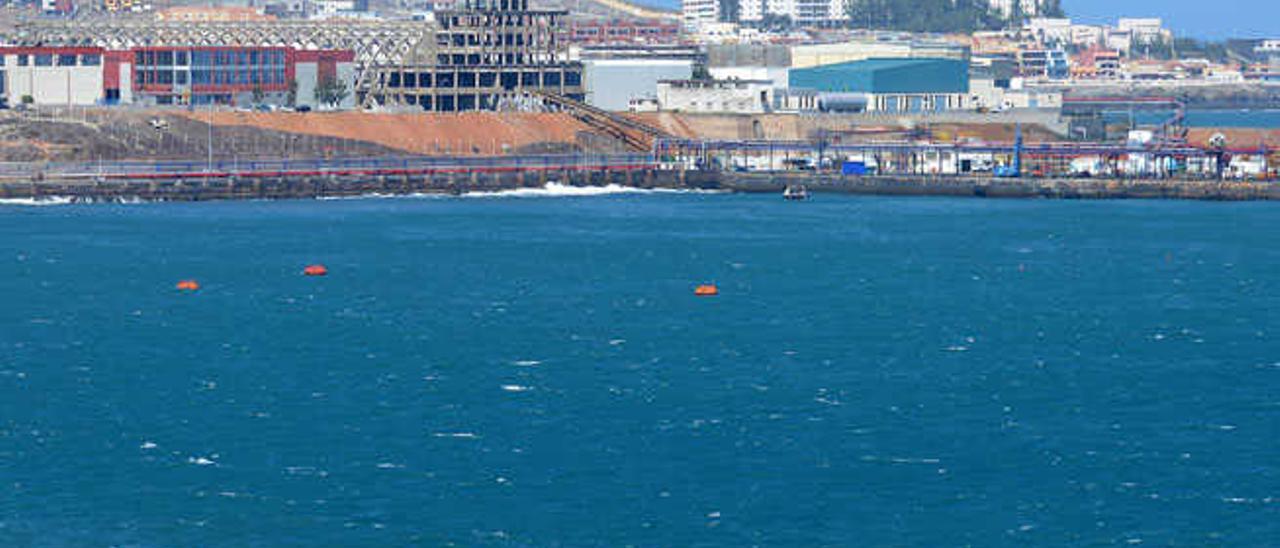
(706, 290)
(188, 285)
(315, 270)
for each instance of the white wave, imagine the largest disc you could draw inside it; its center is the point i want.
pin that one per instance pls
(516, 388)
(41, 201)
(383, 196)
(462, 435)
(527, 363)
(201, 461)
(559, 190)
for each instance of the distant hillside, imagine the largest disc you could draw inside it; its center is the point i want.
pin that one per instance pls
(918, 15)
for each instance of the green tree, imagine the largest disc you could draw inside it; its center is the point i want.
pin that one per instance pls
(331, 92)
(923, 15)
(1053, 8)
(1190, 48)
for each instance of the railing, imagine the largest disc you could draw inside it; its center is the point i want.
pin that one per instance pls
(391, 165)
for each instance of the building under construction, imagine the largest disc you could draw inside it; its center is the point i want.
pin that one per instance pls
(471, 58)
(484, 54)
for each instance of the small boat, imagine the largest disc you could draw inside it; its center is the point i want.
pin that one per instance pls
(795, 192)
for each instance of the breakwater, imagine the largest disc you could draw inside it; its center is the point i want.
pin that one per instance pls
(991, 187)
(223, 186)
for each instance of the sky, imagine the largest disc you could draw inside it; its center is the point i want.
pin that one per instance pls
(1216, 19)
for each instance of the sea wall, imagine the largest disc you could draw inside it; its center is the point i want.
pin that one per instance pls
(197, 188)
(989, 187)
(194, 188)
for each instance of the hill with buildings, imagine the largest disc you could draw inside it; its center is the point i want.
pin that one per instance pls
(897, 15)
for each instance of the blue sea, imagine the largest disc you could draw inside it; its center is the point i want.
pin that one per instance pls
(536, 371)
(1223, 118)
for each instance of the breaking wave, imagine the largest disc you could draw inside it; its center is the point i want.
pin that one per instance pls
(558, 190)
(41, 201)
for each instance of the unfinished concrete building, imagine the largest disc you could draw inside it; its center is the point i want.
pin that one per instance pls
(483, 54)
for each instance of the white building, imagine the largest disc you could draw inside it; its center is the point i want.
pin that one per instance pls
(1145, 30)
(776, 76)
(705, 96)
(1051, 31)
(698, 14)
(616, 84)
(49, 76)
(1030, 8)
(1086, 36)
(802, 12)
(1119, 40)
(1268, 52)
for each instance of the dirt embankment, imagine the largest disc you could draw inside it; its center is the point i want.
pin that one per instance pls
(423, 133)
(79, 134)
(1237, 138)
(53, 135)
(790, 127)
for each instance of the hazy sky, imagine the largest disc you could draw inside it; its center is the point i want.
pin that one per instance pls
(1199, 18)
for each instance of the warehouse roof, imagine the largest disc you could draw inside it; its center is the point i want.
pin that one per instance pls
(907, 75)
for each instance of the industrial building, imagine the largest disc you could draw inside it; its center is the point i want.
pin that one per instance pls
(707, 96)
(487, 52)
(613, 84)
(875, 46)
(749, 62)
(172, 75)
(890, 85)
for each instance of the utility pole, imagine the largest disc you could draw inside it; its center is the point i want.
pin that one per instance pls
(209, 139)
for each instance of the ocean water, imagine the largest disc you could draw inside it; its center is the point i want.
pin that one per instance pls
(1224, 118)
(535, 371)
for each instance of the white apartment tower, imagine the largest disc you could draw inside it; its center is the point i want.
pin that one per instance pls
(700, 13)
(801, 12)
(1030, 8)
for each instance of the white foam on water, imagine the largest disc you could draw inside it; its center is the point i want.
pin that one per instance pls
(390, 466)
(527, 363)
(516, 388)
(37, 202)
(559, 190)
(147, 445)
(461, 435)
(201, 461)
(382, 196)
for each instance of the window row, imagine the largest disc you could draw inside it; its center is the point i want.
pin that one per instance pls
(508, 80)
(63, 60)
(211, 77)
(182, 58)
